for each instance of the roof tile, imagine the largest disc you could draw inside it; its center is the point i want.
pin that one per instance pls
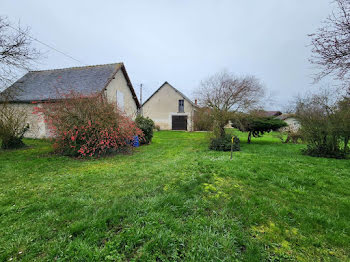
(47, 84)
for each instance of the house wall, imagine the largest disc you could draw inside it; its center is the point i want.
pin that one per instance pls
(37, 126)
(292, 123)
(119, 86)
(164, 104)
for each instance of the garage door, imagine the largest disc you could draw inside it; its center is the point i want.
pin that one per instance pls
(179, 123)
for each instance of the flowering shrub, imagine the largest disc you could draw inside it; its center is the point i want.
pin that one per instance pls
(87, 126)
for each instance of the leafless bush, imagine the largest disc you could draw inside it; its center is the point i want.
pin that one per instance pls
(325, 124)
(203, 119)
(13, 124)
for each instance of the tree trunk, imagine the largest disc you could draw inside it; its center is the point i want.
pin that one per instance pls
(222, 131)
(249, 137)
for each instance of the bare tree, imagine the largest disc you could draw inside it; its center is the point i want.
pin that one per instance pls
(16, 51)
(226, 94)
(331, 44)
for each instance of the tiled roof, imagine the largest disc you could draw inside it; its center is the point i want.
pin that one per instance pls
(47, 84)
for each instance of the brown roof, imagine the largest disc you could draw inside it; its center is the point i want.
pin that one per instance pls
(285, 116)
(269, 113)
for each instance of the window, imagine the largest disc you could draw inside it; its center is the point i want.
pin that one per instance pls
(120, 100)
(181, 106)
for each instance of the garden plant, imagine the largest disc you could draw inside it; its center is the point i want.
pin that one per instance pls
(87, 126)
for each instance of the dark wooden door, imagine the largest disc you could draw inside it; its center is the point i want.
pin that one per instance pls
(179, 123)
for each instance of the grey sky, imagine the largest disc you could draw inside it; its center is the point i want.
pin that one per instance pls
(181, 41)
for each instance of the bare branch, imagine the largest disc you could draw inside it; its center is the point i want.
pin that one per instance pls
(331, 44)
(224, 91)
(15, 51)
(225, 94)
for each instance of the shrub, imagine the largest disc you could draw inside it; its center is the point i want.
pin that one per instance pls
(324, 125)
(13, 141)
(324, 150)
(13, 125)
(157, 127)
(203, 120)
(88, 126)
(146, 125)
(224, 143)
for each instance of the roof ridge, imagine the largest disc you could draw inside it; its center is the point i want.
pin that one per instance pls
(73, 67)
(176, 90)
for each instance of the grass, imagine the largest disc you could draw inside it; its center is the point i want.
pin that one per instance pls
(175, 200)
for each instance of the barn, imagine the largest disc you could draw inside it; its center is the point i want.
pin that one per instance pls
(170, 109)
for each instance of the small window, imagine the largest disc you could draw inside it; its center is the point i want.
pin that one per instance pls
(181, 106)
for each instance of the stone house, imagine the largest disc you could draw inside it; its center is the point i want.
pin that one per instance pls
(170, 109)
(111, 80)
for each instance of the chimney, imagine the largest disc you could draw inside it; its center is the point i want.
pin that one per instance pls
(195, 101)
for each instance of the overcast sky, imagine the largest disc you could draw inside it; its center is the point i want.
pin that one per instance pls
(181, 41)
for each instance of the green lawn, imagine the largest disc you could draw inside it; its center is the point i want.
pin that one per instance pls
(175, 200)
